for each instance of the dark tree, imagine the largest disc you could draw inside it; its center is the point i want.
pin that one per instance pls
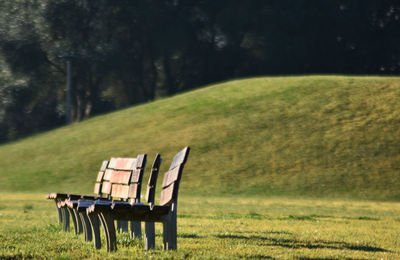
(132, 51)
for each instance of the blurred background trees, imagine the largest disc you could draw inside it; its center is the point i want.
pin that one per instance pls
(135, 51)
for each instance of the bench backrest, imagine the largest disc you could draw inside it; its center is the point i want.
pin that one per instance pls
(170, 183)
(99, 180)
(172, 177)
(151, 185)
(123, 178)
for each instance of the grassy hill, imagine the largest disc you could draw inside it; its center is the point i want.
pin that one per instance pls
(322, 136)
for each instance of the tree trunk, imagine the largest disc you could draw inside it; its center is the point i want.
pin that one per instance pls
(168, 75)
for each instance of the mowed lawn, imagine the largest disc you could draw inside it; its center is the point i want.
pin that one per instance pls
(310, 157)
(322, 136)
(219, 227)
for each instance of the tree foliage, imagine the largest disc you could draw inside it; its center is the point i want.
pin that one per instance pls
(134, 51)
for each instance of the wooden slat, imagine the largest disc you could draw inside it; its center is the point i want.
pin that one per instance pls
(141, 161)
(97, 188)
(170, 177)
(107, 175)
(124, 191)
(180, 158)
(133, 191)
(103, 166)
(100, 177)
(120, 191)
(112, 163)
(167, 195)
(106, 188)
(126, 164)
(123, 163)
(120, 177)
(136, 176)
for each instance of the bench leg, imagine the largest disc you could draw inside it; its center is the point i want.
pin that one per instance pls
(170, 232)
(74, 220)
(136, 230)
(104, 224)
(122, 226)
(65, 217)
(59, 213)
(109, 229)
(95, 224)
(118, 226)
(86, 226)
(79, 224)
(165, 235)
(80, 216)
(150, 236)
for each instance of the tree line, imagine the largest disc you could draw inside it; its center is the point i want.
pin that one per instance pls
(133, 51)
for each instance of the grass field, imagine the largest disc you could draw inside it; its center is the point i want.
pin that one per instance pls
(285, 167)
(220, 227)
(322, 136)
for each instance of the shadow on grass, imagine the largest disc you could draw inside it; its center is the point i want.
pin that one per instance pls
(188, 235)
(250, 215)
(182, 235)
(260, 257)
(303, 218)
(282, 232)
(296, 244)
(323, 258)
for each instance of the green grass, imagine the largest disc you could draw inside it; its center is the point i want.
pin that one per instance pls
(280, 167)
(219, 227)
(312, 136)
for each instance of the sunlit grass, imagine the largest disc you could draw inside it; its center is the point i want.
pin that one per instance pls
(220, 227)
(313, 136)
(278, 168)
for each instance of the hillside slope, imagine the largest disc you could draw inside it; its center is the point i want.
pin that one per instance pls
(329, 136)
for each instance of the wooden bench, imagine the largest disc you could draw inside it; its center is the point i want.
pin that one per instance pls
(120, 171)
(67, 203)
(94, 218)
(62, 212)
(165, 213)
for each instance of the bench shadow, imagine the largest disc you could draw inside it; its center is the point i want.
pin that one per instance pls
(188, 235)
(266, 232)
(297, 244)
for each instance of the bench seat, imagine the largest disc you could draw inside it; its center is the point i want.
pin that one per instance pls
(126, 211)
(84, 200)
